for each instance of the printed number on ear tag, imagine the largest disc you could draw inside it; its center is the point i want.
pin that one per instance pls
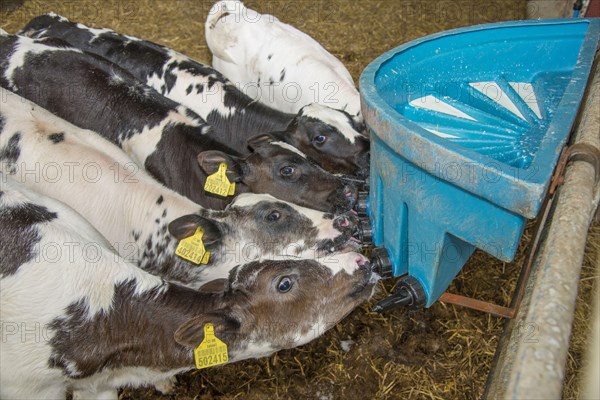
(219, 184)
(211, 351)
(192, 248)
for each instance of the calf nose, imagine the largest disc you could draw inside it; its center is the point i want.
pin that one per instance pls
(351, 194)
(342, 222)
(363, 262)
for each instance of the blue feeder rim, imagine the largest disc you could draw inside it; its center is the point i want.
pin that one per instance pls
(475, 119)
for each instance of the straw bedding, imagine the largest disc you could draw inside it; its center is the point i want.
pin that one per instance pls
(443, 352)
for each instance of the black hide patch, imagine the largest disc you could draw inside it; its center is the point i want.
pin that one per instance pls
(176, 152)
(90, 92)
(130, 54)
(19, 236)
(57, 137)
(122, 336)
(10, 153)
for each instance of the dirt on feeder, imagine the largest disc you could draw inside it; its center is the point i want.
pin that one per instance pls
(444, 352)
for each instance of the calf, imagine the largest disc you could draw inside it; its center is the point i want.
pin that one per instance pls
(165, 138)
(89, 324)
(132, 210)
(251, 47)
(330, 137)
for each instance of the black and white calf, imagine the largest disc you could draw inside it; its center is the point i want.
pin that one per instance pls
(144, 220)
(89, 322)
(174, 144)
(330, 137)
(251, 47)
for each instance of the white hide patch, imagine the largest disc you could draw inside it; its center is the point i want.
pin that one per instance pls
(24, 47)
(133, 38)
(116, 378)
(343, 262)
(250, 199)
(330, 116)
(289, 147)
(255, 349)
(58, 17)
(313, 332)
(94, 31)
(143, 143)
(176, 57)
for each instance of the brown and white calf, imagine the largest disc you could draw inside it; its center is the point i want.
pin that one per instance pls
(143, 219)
(248, 46)
(174, 144)
(330, 137)
(81, 319)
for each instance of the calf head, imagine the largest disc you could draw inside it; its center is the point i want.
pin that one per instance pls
(276, 168)
(330, 137)
(255, 227)
(272, 305)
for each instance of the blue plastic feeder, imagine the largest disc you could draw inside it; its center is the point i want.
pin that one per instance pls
(466, 129)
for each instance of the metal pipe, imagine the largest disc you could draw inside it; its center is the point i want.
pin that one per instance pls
(531, 357)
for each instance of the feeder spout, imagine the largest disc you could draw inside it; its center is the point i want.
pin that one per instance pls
(364, 231)
(409, 292)
(362, 204)
(400, 298)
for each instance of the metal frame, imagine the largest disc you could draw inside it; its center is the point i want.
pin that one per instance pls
(531, 356)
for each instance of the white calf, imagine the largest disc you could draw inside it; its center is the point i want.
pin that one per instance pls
(293, 69)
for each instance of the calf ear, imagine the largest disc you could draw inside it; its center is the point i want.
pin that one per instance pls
(210, 160)
(186, 226)
(214, 286)
(260, 140)
(191, 332)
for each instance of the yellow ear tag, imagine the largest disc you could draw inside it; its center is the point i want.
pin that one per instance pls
(192, 249)
(219, 184)
(211, 351)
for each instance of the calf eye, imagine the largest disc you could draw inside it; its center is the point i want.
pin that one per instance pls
(285, 284)
(287, 171)
(274, 216)
(320, 139)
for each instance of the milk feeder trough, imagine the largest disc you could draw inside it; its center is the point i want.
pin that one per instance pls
(466, 129)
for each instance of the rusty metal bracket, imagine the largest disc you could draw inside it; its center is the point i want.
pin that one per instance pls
(576, 152)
